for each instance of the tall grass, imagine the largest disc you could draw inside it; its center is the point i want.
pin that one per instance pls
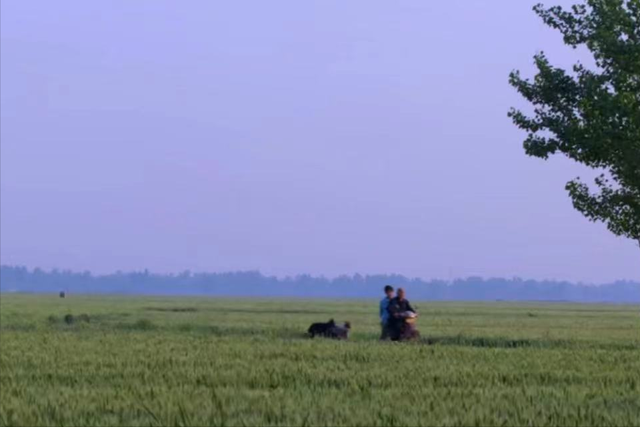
(173, 361)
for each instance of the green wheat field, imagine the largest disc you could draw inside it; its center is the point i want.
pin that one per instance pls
(153, 361)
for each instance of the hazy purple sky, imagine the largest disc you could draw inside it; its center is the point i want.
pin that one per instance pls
(320, 137)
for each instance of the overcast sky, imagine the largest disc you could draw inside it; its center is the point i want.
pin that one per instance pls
(320, 137)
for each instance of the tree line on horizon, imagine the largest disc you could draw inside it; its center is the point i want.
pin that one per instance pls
(255, 284)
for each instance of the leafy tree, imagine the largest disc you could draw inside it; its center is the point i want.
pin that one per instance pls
(592, 115)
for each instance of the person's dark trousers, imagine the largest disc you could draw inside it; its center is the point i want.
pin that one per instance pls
(386, 332)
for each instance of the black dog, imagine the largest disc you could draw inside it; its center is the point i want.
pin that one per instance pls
(321, 329)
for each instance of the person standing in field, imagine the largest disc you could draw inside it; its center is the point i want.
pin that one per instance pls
(384, 312)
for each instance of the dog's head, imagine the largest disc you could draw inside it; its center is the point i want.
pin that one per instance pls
(347, 325)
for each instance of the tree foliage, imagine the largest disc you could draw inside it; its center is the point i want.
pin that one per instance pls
(592, 114)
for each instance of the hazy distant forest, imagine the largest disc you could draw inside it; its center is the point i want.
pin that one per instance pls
(255, 284)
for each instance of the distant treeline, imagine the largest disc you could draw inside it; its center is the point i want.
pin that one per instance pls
(253, 283)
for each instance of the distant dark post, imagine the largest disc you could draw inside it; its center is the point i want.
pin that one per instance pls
(62, 294)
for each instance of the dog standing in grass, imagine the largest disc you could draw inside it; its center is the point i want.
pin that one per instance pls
(321, 329)
(340, 332)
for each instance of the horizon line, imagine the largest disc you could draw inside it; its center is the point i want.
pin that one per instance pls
(321, 276)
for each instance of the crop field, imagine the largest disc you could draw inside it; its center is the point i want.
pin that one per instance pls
(151, 361)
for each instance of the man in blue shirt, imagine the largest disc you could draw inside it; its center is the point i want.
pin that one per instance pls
(384, 312)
